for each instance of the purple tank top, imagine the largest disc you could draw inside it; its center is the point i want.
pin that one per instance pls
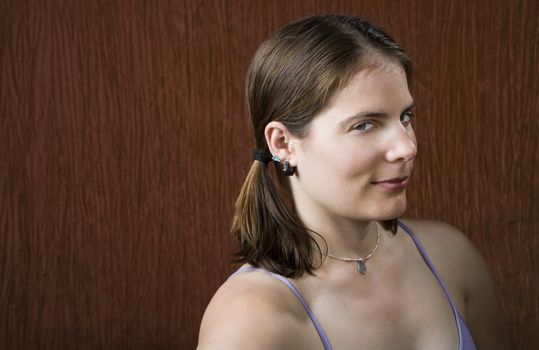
(465, 337)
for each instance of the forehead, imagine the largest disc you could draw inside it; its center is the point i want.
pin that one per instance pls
(379, 88)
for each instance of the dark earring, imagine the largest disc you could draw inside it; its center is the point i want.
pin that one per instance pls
(285, 168)
(288, 170)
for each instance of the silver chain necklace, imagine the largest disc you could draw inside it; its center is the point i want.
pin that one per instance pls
(361, 262)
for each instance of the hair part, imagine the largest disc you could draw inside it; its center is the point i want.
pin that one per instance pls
(292, 77)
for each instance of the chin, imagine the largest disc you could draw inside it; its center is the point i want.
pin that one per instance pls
(393, 209)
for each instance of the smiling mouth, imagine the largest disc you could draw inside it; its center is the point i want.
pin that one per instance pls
(394, 180)
(395, 184)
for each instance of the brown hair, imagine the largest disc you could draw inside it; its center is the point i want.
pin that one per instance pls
(291, 78)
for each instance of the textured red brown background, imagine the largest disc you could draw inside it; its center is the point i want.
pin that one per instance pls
(124, 141)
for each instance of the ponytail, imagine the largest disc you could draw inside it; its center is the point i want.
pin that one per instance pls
(269, 232)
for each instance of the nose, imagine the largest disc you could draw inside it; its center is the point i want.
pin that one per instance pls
(402, 146)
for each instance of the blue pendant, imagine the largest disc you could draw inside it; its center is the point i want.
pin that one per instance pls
(361, 266)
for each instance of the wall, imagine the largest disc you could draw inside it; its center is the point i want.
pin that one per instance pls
(124, 141)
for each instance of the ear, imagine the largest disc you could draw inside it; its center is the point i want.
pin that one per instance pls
(280, 141)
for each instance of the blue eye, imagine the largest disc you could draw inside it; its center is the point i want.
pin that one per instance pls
(406, 117)
(363, 127)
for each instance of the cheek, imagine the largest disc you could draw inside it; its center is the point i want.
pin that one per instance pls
(345, 167)
(355, 164)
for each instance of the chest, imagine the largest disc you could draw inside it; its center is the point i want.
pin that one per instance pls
(407, 307)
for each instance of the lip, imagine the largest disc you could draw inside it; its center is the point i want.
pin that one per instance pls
(391, 185)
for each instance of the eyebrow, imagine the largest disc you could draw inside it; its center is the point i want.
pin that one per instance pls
(367, 114)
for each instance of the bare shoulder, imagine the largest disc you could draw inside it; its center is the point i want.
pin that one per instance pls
(453, 254)
(442, 237)
(251, 310)
(457, 259)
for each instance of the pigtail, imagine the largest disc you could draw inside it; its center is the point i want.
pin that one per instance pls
(268, 230)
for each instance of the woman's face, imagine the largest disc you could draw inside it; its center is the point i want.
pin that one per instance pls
(356, 159)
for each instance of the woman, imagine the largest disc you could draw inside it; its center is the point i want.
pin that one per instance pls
(327, 264)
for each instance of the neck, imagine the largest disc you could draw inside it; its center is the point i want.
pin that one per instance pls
(350, 240)
(343, 238)
(336, 235)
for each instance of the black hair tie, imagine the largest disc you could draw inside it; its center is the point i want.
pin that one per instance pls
(265, 157)
(262, 155)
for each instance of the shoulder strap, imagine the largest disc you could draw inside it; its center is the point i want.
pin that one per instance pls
(429, 263)
(290, 285)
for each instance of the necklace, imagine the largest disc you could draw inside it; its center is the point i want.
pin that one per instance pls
(361, 262)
